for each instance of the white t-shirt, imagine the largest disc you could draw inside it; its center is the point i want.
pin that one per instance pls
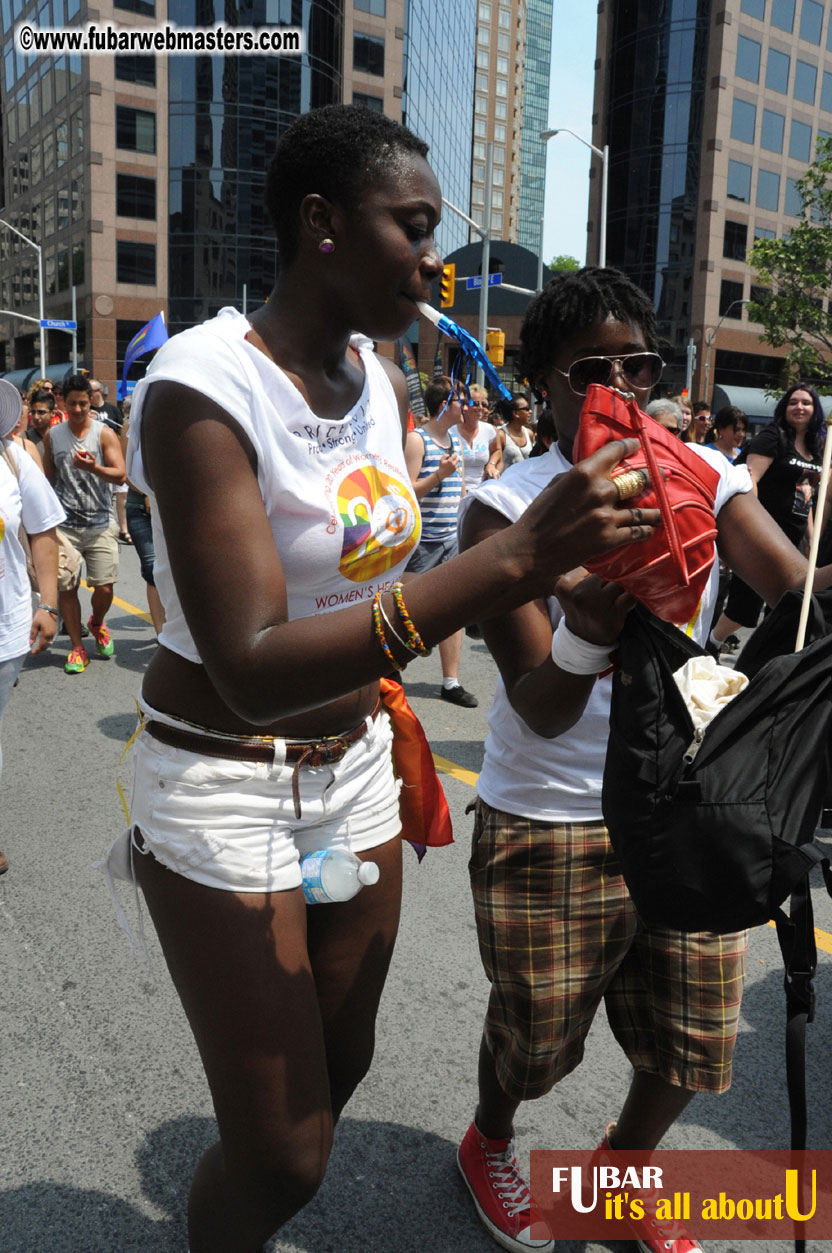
(337, 493)
(559, 780)
(476, 453)
(28, 499)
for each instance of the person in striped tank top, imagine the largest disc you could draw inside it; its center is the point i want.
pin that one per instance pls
(433, 453)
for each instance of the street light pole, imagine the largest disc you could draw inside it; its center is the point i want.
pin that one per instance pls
(710, 337)
(484, 233)
(604, 154)
(39, 251)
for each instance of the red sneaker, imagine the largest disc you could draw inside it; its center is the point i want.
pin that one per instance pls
(501, 1194)
(652, 1235)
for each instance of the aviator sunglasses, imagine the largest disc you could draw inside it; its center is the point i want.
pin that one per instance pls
(641, 369)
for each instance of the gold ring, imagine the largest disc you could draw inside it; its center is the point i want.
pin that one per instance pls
(631, 483)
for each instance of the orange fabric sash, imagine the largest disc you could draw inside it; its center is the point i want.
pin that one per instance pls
(426, 819)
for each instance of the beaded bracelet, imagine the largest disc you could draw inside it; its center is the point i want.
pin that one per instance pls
(393, 630)
(414, 639)
(379, 630)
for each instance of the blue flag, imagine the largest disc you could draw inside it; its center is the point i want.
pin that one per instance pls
(149, 337)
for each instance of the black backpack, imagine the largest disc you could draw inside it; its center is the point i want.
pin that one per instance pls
(714, 831)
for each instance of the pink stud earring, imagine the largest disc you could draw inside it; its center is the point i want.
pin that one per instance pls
(326, 245)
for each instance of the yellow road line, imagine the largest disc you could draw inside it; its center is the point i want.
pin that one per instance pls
(822, 938)
(125, 604)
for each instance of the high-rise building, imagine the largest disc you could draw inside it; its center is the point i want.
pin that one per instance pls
(510, 109)
(142, 177)
(712, 113)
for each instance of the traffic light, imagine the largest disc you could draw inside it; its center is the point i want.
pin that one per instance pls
(495, 347)
(447, 284)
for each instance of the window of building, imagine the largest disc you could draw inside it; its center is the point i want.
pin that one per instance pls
(501, 88)
(502, 65)
(480, 127)
(500, 110)
(63, 269)
(505, 19)
(481, 104)
(499, 154)
(805, 82)
(811, 21)
(63, 208)
(800, 141)
(61, 144)
(730, 293)
(377, 7)
(483, 35)
(793, 204)
(135, 196)
(49, 215)
(479, 150)
(735, 240)
(782, 14)
(478, 195)
(367, 101)
(482, 59)
(763, 232)
(146, 7)
(368, 54)
(484, 13)
(768, 190)
(135, 263)
(777, 71)
(739, 181)
(498, 177)
(748, 59)
(78, 198)
(47, 98)
(35, 164)
(500, 133)
(754, 8)
(76, 133)
(503, 42)
(496, 200)
(771, 131)
(479, 172)
(134, 69)
(78, 264)
(48, 154)
(826, 90)
(481, 83)
(743, 121)
(135, 129)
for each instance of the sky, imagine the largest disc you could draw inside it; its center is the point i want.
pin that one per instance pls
(571, 83)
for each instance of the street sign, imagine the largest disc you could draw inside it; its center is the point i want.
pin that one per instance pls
(58, 324)
(475, 283)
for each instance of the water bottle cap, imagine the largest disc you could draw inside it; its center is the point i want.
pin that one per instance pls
(368, 872)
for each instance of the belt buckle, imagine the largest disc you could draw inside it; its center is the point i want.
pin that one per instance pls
(332, 750)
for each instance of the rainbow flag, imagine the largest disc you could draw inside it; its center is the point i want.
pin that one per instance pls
(149, 337)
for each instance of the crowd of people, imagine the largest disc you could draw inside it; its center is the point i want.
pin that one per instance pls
(304, 542)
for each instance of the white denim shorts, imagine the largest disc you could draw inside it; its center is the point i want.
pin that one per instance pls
(232, 825)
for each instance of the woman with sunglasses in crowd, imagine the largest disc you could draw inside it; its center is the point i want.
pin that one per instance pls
(481, 444)
(516, 437)
(556, 926)
(272, 447)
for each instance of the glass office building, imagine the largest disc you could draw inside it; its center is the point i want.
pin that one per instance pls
(535, 120)
(225, 117)
(438, 99)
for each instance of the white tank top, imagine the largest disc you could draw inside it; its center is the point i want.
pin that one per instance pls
(337, 493)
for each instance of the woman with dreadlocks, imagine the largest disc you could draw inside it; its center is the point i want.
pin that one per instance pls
(557, 930)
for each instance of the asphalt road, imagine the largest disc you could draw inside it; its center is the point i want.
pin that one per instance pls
(104, 1107)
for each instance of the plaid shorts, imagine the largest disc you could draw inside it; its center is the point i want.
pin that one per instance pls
(558, 932)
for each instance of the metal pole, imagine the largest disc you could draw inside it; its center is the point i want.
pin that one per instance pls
(540, 260)
(74, 332)
(602, 240)
(245, 299)
(486, 256)
(37, 247)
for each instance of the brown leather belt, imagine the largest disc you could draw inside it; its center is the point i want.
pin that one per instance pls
(301, 752)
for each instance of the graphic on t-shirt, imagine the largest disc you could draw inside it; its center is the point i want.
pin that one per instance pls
(380, 520)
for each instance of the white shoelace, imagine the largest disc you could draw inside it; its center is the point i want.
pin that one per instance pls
(506, 1175)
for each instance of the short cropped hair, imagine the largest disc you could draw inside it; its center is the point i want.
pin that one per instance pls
(574, 300)
(76, 383)
(335, 151)
(436, 393)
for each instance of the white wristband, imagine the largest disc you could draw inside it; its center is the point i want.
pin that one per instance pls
(577, 656)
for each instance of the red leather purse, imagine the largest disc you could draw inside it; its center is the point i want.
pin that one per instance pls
(668, 572)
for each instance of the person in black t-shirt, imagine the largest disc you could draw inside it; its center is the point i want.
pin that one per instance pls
(783, 461)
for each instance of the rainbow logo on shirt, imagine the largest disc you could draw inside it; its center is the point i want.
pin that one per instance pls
(381, 523)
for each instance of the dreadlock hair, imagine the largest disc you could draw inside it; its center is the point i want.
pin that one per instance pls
(573, 301)
(335, 151)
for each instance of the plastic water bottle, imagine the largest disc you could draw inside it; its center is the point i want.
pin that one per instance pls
(334, 875)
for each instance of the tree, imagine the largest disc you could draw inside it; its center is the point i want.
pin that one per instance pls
(564, 262)
(796, 274)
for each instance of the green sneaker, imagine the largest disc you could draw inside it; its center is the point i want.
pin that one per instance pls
(77, 661)
(103, 644)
